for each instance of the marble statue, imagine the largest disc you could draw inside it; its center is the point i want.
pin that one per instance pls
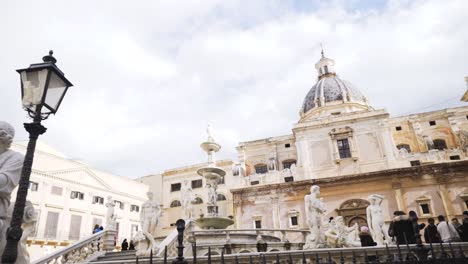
(376, 220)
(272, 164)
(149, 219)
(209, 131)
(403, 153)
(187, 198)
(29, 228)
(111, 217)
(212, 195)
(429, 142)
(463, 138)
(150, 214)
(314, 208)
(11, 164)
(339, 235)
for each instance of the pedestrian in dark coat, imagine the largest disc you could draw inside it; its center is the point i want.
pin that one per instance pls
(431, 235)
(132, 246)
(403, 229)
(366, 238)
(464, 234)
(124, 245)
(416, 227)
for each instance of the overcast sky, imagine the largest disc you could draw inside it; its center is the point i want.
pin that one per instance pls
(149, 75)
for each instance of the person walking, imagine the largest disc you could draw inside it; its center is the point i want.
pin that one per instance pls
(431, 235)
(464, 235)
(124, 245)
(447, 231)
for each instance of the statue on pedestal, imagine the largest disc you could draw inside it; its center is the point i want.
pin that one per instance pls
(376, 220)
(339, 235)
(111, 217)
(187, 198)
(149, 218)
(11, 164)
(314, 208)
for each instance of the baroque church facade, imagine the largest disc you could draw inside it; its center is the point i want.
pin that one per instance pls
(351, 150)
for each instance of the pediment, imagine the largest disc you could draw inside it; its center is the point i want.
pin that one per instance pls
(83, 176)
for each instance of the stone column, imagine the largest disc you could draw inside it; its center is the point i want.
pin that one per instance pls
(237, 210)
(275, 212)
(399, 196)
(444, 195)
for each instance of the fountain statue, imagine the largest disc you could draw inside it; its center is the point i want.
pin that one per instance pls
(111, 217)
(314, 208)
(11, 164)
(187, 199)
(339, 235)
(376, 220)
(212, 175)
(149, 218)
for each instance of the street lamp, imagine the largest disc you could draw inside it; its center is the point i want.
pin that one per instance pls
(43, 86)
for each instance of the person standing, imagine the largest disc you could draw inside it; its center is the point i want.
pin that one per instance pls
(416, 227)
(431, 235)
(124, 245)
(403, 229)
(464, 235)
(447, 231)
(132, 246)
(457, 225)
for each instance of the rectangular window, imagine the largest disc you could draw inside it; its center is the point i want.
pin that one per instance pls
(175, 187)
(294, 220)
(77, 195)
(289, 179)
(56, 190)
(254, 182)
(134, 208)
(33, 186)
(432, 123)
(258, 224)
(260, 169)
(51, 225)
(287, 164)
(398, 128)
(425, 208)
(415, 163)
(119, 204)
(343, 148)
(287, 145)
(75, 227)
(197, 184)
(98, 200)
(455, 157)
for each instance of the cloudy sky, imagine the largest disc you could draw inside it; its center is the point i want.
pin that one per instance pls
(149, 75)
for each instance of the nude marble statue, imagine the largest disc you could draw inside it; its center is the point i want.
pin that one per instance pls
(314, 208)
(376, 220)
(11, 164)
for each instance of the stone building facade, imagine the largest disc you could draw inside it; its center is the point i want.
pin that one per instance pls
(351, 150)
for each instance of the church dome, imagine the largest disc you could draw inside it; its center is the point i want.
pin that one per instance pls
(331, 90)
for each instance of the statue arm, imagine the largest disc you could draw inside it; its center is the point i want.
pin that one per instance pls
(10, 173)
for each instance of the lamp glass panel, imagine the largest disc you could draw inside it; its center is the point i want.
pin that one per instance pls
(33, 87)
(55, 91)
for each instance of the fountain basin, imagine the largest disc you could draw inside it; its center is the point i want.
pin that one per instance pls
(211, 172)
(214, 222)
(210, 146)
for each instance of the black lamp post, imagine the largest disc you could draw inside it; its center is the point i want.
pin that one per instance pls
(43, 86)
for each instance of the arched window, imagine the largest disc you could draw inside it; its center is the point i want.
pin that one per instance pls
(221, 197)
(440, 144)
(261, 168)
(405, 146)
(197, 200)
(176, 203)
(288, 163)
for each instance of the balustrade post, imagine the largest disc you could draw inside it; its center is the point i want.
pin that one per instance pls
(108, 240)
(228, 237)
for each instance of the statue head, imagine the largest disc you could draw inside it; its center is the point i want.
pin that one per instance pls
(7, 133)
(315, 189)
(149, 195)
(375, 199)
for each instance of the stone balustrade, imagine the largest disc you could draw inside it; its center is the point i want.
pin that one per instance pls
(85, 250)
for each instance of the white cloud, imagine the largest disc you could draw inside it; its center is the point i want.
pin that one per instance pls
(148, 77)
